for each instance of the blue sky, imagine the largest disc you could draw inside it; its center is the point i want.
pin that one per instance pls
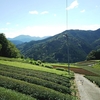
(47, 17)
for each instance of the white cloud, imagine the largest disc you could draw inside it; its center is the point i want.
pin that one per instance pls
(3, 29)
(36, 12)
(43, 30)
(33, 12)
(46, 30)
(6, 29)
(82, 11)
(38, 31)
(10, 34)
(44, 12)
(73, 5)
(8, 23)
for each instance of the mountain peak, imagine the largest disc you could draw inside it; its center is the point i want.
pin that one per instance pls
(27, 38)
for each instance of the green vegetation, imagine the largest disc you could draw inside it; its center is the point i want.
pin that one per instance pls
(33, 80)
(92, 66)
(7, 49)
(94, 55)
(8, 94)
(94, 79)
(61, 85)
(36, 91)
(54, 49)
(97, 65)
(31, 77)
(35, 67)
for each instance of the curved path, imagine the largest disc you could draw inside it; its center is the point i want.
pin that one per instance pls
(87, 90)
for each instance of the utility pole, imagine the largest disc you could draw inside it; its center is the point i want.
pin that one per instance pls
(67, 38)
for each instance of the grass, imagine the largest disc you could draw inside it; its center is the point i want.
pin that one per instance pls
(97, 65)
(96, 69)
(61, 64)
(92, 66)
(34, 67)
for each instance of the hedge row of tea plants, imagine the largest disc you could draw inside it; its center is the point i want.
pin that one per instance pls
(44, 76)
(62, 80)
(36, 91)
(7, 94)
(38, 81)
(94, 79)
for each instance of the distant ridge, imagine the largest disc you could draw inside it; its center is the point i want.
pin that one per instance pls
(25, 38)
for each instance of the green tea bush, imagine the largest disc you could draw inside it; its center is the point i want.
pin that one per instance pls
(65, 81)
(49, 66)
(62, 69)
(95, 79)
(7, 94)
(38, 81)
(36, 91)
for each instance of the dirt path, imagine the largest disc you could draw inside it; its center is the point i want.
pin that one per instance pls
(87, 90)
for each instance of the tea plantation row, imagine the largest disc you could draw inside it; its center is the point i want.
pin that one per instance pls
(37, 84)
(39, 74)
(8, 94)
(38, 81)
(94, 79)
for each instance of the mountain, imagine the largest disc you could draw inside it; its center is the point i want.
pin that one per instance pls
(54, 49)
(16, 42)
(25, 38)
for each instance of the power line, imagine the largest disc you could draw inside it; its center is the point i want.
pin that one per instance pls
(67, 37)
(66, 15)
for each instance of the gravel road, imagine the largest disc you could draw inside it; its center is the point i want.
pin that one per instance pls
(87, 90)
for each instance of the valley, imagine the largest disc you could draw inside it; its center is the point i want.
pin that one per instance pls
(38, 70)
(49, 50)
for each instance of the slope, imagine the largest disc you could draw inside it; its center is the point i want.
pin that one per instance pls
(54, 49)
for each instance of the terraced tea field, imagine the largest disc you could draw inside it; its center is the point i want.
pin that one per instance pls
(29, 83)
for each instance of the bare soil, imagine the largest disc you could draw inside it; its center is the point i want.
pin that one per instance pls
(78, 70)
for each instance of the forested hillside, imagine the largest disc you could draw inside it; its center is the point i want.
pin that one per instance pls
(7, 49)
(54, 49)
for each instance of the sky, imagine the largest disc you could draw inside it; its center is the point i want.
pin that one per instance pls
(47, 17)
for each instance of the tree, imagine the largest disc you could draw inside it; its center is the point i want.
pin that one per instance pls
(12, 51)
(97, 54)
(94, 55)
(0, 47)
(7, 49)
(4, 43)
